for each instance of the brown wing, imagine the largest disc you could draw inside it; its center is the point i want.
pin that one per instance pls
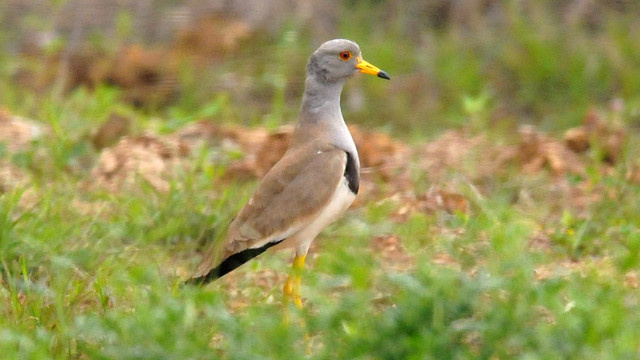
(290, 195)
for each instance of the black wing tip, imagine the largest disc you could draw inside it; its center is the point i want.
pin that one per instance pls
(204, 279)
(229, 264)
(195, 281)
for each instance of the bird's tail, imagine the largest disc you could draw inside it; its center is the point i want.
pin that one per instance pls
(230, 263)
(212, 275)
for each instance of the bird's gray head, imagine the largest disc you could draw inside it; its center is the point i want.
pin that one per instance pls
(337, 60)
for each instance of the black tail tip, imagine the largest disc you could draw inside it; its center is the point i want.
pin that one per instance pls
(195, 281)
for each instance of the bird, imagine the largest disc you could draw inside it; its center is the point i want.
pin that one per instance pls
(313, 183)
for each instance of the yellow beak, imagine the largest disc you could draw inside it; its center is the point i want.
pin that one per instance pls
(367, 68)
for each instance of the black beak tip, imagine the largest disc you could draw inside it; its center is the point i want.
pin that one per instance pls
(384, 75)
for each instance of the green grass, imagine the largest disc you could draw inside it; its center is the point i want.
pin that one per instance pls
(102, 286)
(89, 274)
(101, 283)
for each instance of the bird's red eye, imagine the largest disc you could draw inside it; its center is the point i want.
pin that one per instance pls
(345, 55)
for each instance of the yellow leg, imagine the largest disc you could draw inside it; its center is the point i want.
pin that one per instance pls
(292, 289)
(294, 282)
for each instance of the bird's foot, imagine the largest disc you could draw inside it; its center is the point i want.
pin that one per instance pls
(291, 290)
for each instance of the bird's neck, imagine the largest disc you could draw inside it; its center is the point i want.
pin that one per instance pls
(321, 101)
(321, 120)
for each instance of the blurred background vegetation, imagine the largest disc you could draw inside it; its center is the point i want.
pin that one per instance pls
(505, 62)
(500, 238)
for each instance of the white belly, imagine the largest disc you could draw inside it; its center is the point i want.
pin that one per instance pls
(341, 200)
